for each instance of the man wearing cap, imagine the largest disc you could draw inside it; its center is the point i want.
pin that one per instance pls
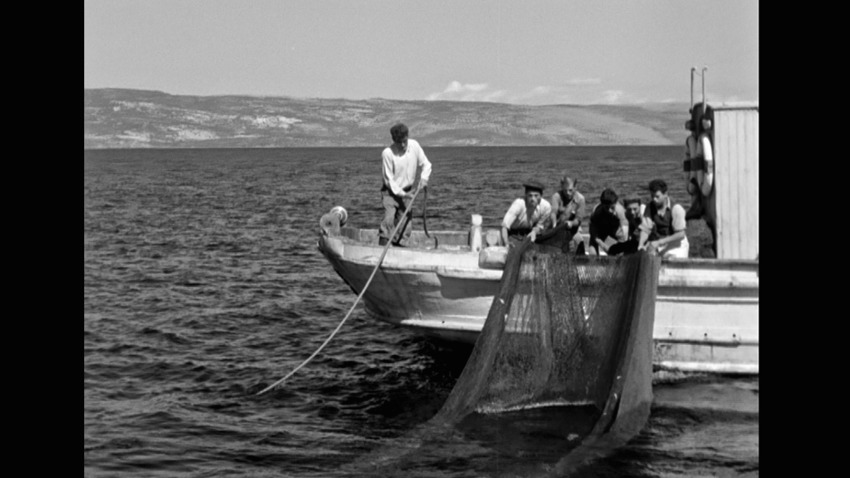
(401, 161)
(526, 217)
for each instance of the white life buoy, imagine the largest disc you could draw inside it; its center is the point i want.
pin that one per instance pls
(705, 174)
(690, 166)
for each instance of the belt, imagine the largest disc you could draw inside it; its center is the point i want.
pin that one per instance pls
(406, 189)
(520, 231)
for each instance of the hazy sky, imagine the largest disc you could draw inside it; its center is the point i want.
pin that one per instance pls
(512, 51)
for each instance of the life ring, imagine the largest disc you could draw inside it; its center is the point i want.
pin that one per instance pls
(703, 117)
(705, 174)
(690, 165)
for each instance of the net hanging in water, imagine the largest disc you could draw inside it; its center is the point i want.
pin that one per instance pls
(563, 332)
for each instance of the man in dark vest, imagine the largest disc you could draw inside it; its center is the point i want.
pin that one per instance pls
(634, 214)
(663, 227)
(608, 220)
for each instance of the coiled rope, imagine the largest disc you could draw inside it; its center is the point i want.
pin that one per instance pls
(375, 270)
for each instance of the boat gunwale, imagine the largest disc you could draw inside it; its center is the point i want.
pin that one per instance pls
(671, 262)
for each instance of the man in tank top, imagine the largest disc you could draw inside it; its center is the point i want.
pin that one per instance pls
(568, 206)
(663, 226)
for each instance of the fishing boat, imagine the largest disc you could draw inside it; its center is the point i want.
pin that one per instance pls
(706, 312)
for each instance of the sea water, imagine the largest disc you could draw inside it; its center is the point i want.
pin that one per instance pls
(203, 285)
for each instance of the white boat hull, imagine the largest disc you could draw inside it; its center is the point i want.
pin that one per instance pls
(706, 310)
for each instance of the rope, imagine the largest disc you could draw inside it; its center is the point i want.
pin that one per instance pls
(425, 218)
(378, 265)
(425, 212)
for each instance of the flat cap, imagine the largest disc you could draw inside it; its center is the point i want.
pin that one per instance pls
(532, 184)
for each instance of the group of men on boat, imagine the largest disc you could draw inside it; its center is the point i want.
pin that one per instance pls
(615, 228)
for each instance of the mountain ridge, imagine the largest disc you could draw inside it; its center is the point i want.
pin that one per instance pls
(131, 118)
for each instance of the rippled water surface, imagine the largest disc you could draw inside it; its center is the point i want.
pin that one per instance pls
(203, 285)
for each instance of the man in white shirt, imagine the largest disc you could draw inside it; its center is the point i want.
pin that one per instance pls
(528, 216)
(401, 162)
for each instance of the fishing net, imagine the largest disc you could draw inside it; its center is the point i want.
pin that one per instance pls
(564, 361)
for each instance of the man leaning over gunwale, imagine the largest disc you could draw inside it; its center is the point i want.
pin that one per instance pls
(527, 216)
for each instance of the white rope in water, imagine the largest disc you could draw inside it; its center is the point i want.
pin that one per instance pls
(378, 265)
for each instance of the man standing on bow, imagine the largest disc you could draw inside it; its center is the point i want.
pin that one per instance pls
(401, 162)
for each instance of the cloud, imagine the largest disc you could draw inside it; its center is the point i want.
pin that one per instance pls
(620, 97)
(566, 92)
(457, 91)
(457, 87)
(580, 91)
(612, 96)
(584, 81)
(543, 94)
(540, 90)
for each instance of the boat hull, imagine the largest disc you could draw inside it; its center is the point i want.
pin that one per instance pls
(706, 315)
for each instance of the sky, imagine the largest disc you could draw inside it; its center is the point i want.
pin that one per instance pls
(508, 51)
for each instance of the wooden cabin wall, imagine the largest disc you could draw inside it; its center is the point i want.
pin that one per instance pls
(736, 182)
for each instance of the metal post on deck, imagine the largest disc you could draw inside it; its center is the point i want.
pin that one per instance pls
(693, 69)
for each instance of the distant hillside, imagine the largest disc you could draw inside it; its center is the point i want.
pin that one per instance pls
(120, 118)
